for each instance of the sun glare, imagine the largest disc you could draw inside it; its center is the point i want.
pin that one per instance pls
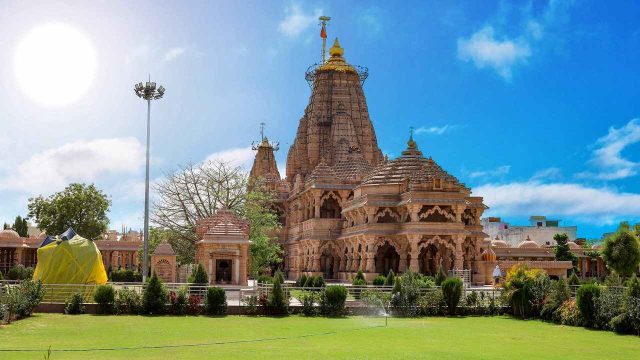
(55, 64)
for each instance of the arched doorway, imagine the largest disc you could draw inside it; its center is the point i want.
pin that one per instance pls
(429, 260)
(330, 209)
(387, 258)
(223, 271)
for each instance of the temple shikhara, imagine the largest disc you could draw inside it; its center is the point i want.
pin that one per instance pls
(346, 207)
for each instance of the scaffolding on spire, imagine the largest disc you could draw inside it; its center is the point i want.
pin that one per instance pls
(264, 141)
(323, 34)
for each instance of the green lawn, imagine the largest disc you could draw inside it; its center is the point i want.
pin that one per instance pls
(298, 337)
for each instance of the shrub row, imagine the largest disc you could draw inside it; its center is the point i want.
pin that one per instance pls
(310, 281)
(17, 302)
(123, 275)
(155, 300)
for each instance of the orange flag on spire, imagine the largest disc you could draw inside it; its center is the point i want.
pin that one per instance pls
(323, 32)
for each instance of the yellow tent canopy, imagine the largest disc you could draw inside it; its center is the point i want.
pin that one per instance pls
(73, 261)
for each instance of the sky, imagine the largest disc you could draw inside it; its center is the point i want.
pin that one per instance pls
(534, 105)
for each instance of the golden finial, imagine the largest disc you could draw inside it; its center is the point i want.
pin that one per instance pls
(411, 143)
(336, 50)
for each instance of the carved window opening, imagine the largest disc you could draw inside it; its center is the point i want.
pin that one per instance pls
(387, 216)
(437, 184)
(468, 218)
(437, 214)
(386, 259)
(330, 209)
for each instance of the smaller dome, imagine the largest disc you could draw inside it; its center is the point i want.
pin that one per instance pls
(597, 247)
(489, 255)
(573, 245)
(9, 234)
(528, 244)
(499, 243)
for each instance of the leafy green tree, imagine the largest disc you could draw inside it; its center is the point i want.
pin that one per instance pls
(359, 279)
(573, 279)
(563, 251)
(587, 299)
(278, 303)
(263, 220)
(79, 206)
(621, 251)
(21, 226)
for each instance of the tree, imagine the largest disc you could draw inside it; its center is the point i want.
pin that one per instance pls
(156, 237)
(263, 221)
(194, 192)
(21, 226)
(563, 251)
(199, 276)
(621, 251)
(79, 206)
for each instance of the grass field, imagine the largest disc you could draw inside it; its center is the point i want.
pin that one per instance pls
(298, 337)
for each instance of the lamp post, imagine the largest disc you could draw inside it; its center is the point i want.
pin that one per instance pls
(148, 92)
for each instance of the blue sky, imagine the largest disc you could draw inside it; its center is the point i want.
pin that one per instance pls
(532, 104)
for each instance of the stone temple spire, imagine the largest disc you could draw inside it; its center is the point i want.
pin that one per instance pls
(336, 124)
(264, 164)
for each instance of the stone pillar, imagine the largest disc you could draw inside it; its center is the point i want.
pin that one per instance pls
(459, 260)
(414, 210)
(315, 265)
(413, 240)
(316, 202)
(370, 264)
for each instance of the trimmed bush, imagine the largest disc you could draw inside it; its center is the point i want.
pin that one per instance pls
(440, 276)
(193, 304)
(264, 279)
(390, 279)
(308, 300)
(558, 294)
(199, 276)
(309, 281)
(318, 281)
(573, 279)
(128, 302)
(452, 292)
(520, 289)
(301, 280)
(154, 298)
(359, 279)
(609, 304)
(105, 297)
(432, 303)
(406, 292)
(379, 280)
(19, 301)
(586, 300)
(178, 301)
(569, 314)
(333, 298)
(74, 305)
(216, 301)
(277, 302)
(122, 275)
(20, 272)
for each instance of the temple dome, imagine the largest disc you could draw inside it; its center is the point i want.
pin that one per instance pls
(411, 166)
(573, 245)
(528, 244)
(489, 255)
(499, 243)
(9, 234)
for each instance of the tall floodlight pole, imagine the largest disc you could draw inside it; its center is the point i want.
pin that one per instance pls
(148, 92)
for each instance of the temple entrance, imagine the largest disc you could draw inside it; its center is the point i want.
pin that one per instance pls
(429, 260)
(329, 265)
(223, 271)
(387, 258)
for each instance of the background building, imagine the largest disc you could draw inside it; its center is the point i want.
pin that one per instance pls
(540, 230)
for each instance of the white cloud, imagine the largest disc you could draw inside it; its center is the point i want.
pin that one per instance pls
(485, 50)
(436, 130)
(552, 173)
(236, 156)
(608, 153)
(172, 54)
(370, 20)
(499, 171)
(80, 161)
(602, 205)
(296, 20)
